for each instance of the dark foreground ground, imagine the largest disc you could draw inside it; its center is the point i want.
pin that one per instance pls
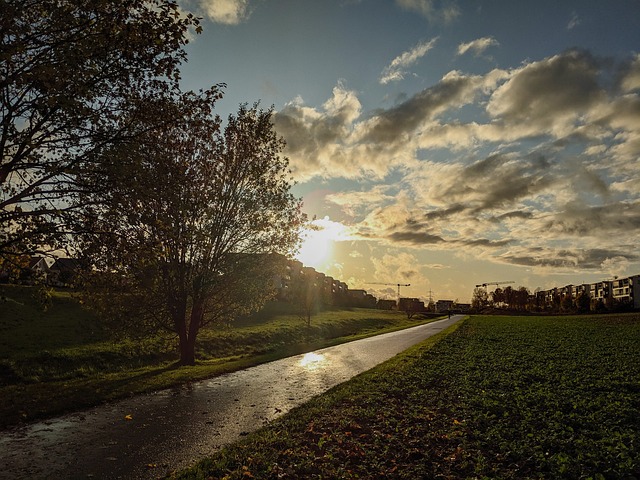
(501, 397)
(149, 436)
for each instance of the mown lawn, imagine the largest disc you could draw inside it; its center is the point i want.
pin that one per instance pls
(500, 397)
(60, 359)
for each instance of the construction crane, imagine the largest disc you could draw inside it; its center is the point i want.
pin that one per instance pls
(494, 283)
(392, 284)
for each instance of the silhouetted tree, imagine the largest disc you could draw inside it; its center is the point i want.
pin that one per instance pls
(479, 299)
(521, 298)
(496, 298)
(599, 306)
(508, 296)
(566, 303)
(583, 302)
(76, 78)
(186, 236)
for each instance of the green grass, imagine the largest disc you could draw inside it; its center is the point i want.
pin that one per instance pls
(60, 359)
(26, 327)
(499, 397)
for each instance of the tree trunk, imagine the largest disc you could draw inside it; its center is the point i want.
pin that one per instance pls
(187, 350)
(186, 347)
(188, 341)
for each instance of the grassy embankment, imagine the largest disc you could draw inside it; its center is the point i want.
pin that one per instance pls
(499, 397)
(60, 360)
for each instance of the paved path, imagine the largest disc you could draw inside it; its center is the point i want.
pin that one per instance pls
(151, 435)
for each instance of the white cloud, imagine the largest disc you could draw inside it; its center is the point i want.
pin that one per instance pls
(477, 46)
(545, 175)
(548, 96)
(343, 106)
(559, 98)
(229, 12)
(631, 78)
(353, 203)
(615, 266)
(574, 21)
(318, 139)
(436, 266)
(331, 230)
(396, 70)
(447, 13)
(399, 267)
(398, 124)
(321, 141)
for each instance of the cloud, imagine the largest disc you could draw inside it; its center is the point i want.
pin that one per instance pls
(229, 12)
(497, 182)
(504, 207)
(330, 230)
(337, 140)
(397, 267)
(414, 238)
(353, 203)
(477, 46)
(436, 266)
(397, 123)
(631, 75)
(560, 98)
(615, 266)
(549, 95)
(572, 260)
(578, 220)
(536, 166)
(430, 9)
(315, 137)
(574, 21)
(396, 70)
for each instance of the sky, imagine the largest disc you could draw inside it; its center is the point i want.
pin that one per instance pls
(445, 144)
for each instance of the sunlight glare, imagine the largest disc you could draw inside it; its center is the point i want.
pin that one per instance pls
(317, 244)
(316, 249)
(312, 361)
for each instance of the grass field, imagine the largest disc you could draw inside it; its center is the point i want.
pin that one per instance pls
(499, 397)
(60, 359)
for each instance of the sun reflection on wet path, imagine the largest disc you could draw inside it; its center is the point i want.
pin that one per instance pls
(313, 361)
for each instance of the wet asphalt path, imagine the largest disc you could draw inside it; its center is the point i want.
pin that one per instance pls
(151, 435)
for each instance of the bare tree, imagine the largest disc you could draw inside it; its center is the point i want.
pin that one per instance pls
(306, 296)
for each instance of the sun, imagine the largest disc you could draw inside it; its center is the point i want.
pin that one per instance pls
(318, 241)
(316, 249)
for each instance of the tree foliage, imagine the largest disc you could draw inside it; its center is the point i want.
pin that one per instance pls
(187, 233)
(76, 77)
(480, 298)
(583, 302)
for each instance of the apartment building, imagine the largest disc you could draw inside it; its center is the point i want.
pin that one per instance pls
(626, 290)
(613, 292)
(329, 290)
